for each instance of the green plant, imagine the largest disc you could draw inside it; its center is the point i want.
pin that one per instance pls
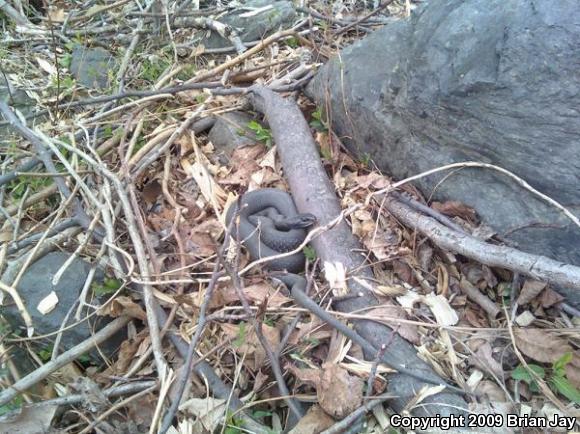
(65, 83)
(365, 158)
(138, 145)
(260, 414)
(264, 135)
(325, 153)
(109, 286)
(107, 132)
(317, 121)
(12, 405)
(65, 60)
(241, 338)
(45, 353)
(560, 382)
(186, 73)
(556, 377)
(310, 253)
(17, 188)
(292, 42)
(152, 67)
(233, 424)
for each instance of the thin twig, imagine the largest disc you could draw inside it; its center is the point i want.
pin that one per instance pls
(232, 269)
(201, 323)
(363, 19)
(351, 418)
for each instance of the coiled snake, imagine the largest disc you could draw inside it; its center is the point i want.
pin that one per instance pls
(269, 224)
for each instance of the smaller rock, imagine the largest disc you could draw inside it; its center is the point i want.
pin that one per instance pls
(253, 27)
(19, 100)
(36, 284)
(230, 132)
(90, 66)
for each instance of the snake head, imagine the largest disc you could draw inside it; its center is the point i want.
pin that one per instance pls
(301, 221)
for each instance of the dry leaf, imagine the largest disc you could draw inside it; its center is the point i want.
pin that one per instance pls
(46, 66)
(126, 355)
(269, 159)
(484, 360)
(493, 392)
(443, 312)
(56, 15)
(210, 190)
(390, 290)
(151, 191)
(549, 298)
(374, 179)
(256, 294)
(541, 345)
(210, 412)
(454, 208)
(403, 271)
(525, 318)
(339, 393)
(530, 290)
(313, 422)
(314, 329)
(335, 275)
(407, 331)
(123, 305)
(245, 340)
(573, 371)
(306, 375)
(140, 410)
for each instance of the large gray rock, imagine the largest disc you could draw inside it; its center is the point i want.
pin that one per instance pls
(36, 284)
(487, 80)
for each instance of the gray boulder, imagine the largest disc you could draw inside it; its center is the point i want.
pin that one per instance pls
(36, 284)
(493, 81)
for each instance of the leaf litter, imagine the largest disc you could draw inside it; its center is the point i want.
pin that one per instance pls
(183, 205)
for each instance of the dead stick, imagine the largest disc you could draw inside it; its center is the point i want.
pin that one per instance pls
(535, 266)
(313, 192)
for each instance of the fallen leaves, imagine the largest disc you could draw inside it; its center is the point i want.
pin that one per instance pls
(339, 393)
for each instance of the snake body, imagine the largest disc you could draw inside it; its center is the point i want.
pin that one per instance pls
(269, 224)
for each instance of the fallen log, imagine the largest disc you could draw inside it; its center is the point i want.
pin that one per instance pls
(313, 193)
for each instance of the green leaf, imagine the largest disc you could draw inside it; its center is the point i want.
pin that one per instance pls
(258, 414)
(292, 42)
(109, 286)
(310, 253)
(317, 122)
(561, 363)
(241, 336)
(65, 60)
(564, 386)
(522, 374)
(45, 353)
(262, 134)
(12, 405)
